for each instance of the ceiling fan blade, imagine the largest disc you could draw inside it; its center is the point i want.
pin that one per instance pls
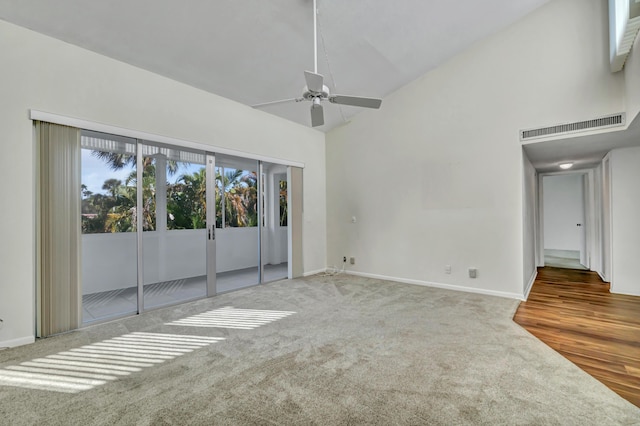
(317, 115)
(355, 101)
(277, 102)
(314, 81)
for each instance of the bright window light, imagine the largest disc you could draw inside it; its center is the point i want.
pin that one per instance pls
(80, 369)
(230, 317)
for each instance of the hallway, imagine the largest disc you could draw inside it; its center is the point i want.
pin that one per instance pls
(574, 313)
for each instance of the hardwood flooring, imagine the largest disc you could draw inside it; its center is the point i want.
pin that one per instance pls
(573, 312)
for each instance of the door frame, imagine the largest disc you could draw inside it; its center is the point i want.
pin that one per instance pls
(589, 212)
(210, 172)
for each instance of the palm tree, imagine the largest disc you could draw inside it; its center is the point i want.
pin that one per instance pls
(122, 217)
(240, 197)
(250, 198)
(187, 203)
(111, 186)
(283, 203)
(117, 161)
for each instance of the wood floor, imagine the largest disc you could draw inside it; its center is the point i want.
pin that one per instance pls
(573, 312)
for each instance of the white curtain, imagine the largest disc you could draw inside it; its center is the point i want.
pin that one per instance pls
(59, 281)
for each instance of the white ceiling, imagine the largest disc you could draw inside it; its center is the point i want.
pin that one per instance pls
(255, 51)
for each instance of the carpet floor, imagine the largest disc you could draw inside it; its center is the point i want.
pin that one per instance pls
(319, 350)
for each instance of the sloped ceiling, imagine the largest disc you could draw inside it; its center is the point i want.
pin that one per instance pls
(255, 51)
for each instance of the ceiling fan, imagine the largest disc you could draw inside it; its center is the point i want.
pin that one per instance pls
(317, 92)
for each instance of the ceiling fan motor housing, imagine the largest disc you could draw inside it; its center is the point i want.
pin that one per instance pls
(310, 95)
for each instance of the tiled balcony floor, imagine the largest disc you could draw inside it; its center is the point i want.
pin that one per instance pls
(115, 303)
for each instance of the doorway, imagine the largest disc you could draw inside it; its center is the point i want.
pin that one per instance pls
(564, 215)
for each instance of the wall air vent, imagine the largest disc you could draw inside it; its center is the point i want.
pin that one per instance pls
(579, 126)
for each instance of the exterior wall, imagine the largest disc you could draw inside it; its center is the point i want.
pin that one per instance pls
(109, 260)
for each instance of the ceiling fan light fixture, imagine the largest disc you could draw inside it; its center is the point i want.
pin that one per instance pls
(316, 91)
(565, 166)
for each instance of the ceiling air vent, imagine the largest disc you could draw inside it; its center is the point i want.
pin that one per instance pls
(579, 126)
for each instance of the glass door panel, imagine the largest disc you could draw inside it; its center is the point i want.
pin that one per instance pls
(174, 238)
(274, 232)
(109, 247)
(149, 239)
(237, 233)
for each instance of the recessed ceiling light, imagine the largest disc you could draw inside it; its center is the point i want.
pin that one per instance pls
(566, 166)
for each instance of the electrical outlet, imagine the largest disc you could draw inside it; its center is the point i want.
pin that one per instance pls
(473, 272)
(447, 269)
(344, 259)
(352, 260)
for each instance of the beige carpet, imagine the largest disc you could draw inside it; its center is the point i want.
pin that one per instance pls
(321, 350)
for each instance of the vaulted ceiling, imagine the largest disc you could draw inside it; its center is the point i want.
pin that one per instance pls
(255, 51)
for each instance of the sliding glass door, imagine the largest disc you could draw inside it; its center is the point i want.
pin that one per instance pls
(237, 230)
(174, 225)
(108, 221)
(275, 222)
(164, 224)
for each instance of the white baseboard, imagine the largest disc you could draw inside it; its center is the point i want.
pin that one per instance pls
(567, 254)
(440, 285)
(17, 342)
(530, 284)
(318, 271)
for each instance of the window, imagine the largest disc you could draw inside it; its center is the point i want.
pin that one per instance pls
(186, 198)
(283, 202)
(108, 190)
(239, 206)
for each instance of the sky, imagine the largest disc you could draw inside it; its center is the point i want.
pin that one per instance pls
(95, 171)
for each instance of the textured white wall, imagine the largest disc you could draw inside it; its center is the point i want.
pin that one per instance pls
(41, 73)
(625, 223)
(563, 207)
(530, 209)
(435, 176)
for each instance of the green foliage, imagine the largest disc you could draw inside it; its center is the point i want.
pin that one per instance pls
(240, 198)
(283, 203)
(115, 210)
(187, 202)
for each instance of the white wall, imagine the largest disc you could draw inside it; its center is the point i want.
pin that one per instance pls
(529, 229)
(632, 81)
(596, 263)
(606, 218)
(109, 261)
(41, 73)
(276, 243)
(625, 223)
(563, 207)
(435, 176)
